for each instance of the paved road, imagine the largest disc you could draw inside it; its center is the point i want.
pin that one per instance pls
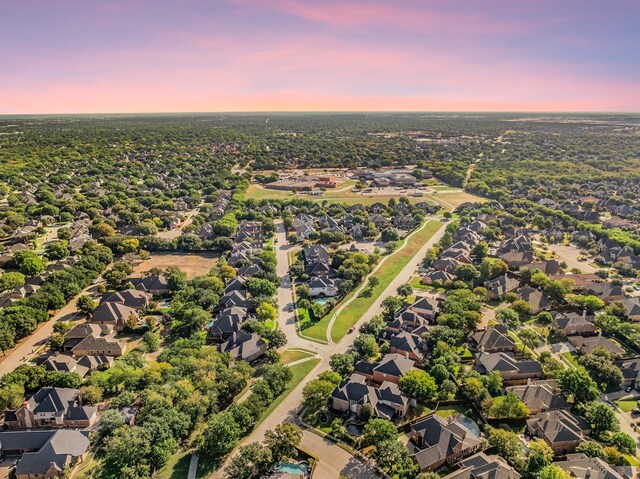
(25, 350)
(286, 411)
(286, 314)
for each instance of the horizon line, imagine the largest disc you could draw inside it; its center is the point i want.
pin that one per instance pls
(264, 112)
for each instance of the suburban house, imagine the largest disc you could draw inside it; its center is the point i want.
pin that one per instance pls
(511, 370)
(493, 339)
(323, 287)
(632, 308)
(630, 372)
(65, 362)
(44, 454)
(81, 331)
(387, 400)
(425, 307)
(245, 346)
(582, 466)
(481, 466)
(409, 345)
(116, 315)
(540, 396)
(157, 285)
(132, 298)
(52, 407)
(498, 287)
(560, 429)
(573, 323)
(442, 441)
(536, 299)
(390, 368)
(588, 345)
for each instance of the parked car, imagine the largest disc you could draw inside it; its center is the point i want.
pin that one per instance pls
(351, 330)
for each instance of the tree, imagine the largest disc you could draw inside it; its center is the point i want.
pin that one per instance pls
(57, 250)
(372, 282)
(177, 281)
(343, 364)
(375, 326)
(553, 472)
(266, 312)
(591, 449)
(539, 455)
(544, 318)
(521, 307)
(577, 385)
(480, 250)
(260, 288)
(508, 407)
(529, 338)
(507, 445)
(283, 441)
(275, 337)
(391, 304)
(90, 394)
(151, 340)
(624, 442)
(252, 460)
(11, 395)
(378, 430)
(473, 389)
(466, 272)
(85, 304)
(404, 290)
(366, 345)
(31, 265)
(602, 368)
(7, 337)
(509, 318)
(316, 394)
(109, 422)
(418, 384)
(220, 435)
(11, 280)
(602, 418)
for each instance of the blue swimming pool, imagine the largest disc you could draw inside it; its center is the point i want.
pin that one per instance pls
(292, 468)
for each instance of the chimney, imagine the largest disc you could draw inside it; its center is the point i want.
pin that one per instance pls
(584, 314)
(587, 473)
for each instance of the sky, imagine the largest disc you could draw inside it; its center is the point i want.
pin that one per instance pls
(111, 56)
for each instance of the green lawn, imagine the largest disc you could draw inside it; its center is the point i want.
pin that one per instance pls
(387, 272)
(290, 355)
(299, 372)
(572, 359)
(451, 410)
(177, 467)
(416, 284)
(314, 330)
(627, 404)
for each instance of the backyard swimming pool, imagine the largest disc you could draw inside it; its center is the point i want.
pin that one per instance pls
(293, 468)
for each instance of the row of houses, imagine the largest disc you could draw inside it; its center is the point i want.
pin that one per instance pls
(235, 307)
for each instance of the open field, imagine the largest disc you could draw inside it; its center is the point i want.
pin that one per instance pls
(193, 265)
(448, 199)
(627, 404)
(386, 273)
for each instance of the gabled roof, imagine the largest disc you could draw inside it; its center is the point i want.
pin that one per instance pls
(507, 363)
(394, 365)
(581, 466)
(481, 466)
(493, 338)
(55, 452)
(442, 438)
(559, 426)
(544, 395)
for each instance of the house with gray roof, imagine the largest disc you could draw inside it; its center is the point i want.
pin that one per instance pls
(52, 407)
(512, 370)
(386, 400)
(540, 396)
(481, 466)
(442, 441)
(493, 339)
(244, 346)
(560, 429)
(44, 454)
(581, 466)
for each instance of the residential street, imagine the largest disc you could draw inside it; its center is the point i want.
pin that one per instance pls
(331, 457)
(26, 348)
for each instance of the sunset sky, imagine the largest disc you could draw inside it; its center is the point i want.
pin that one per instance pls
(77, 56)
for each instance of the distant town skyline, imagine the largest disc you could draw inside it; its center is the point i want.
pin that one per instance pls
(73, 56)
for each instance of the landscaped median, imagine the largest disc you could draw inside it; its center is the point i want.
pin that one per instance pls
(388, 270)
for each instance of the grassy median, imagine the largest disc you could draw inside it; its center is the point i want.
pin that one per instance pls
(385, 274)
